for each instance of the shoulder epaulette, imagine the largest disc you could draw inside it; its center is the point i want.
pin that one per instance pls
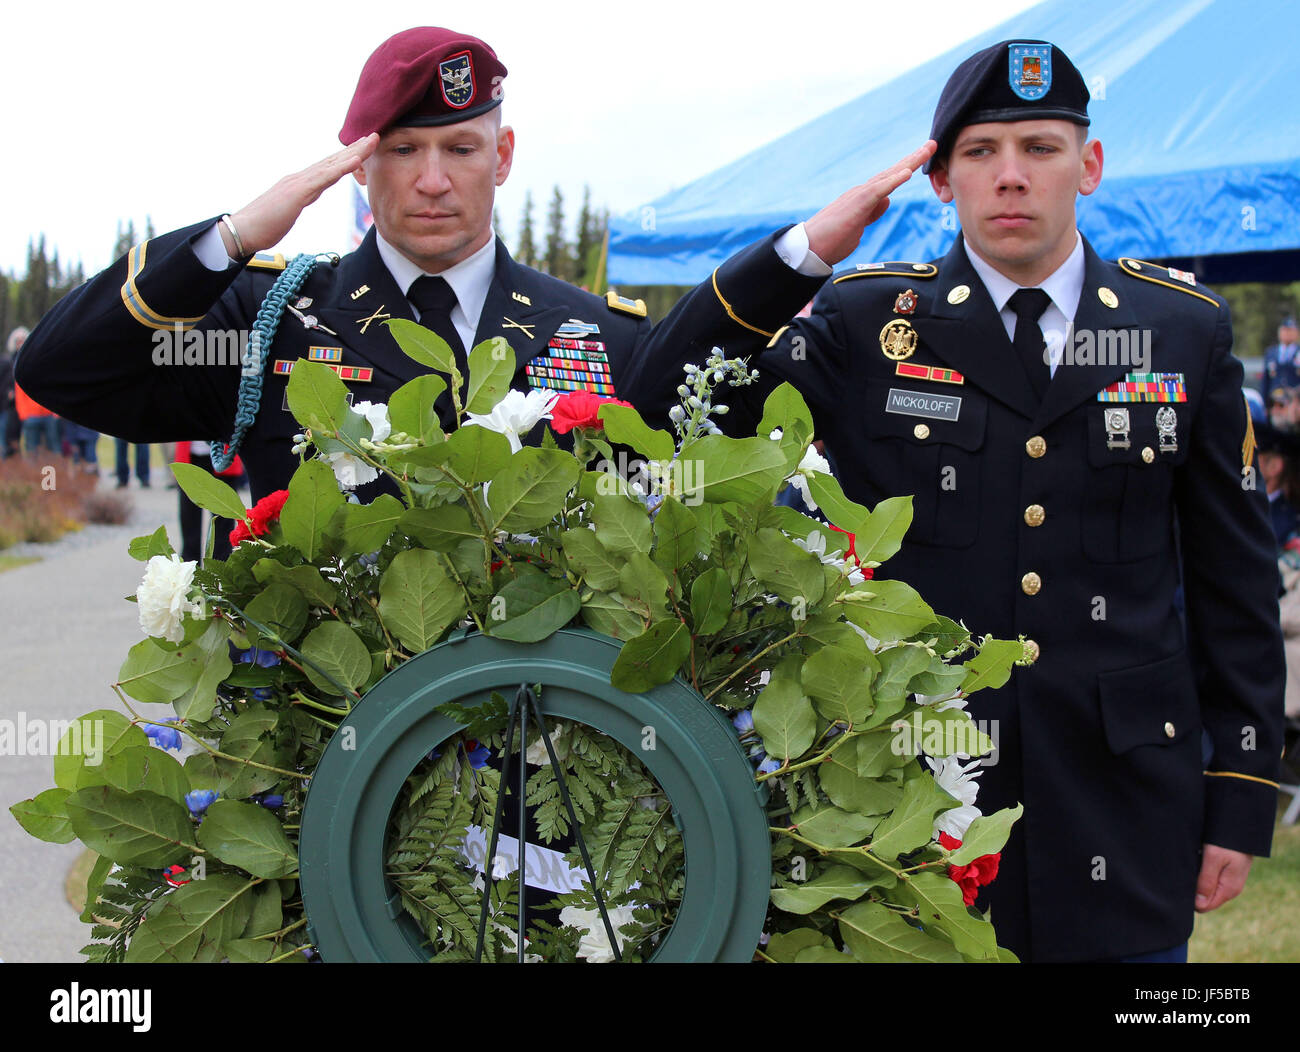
(267, 261)
(614, 301)
(1169, 277)
(890, 270)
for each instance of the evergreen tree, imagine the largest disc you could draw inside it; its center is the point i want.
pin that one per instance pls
(527, 254)
(557, 262)
(585, 235)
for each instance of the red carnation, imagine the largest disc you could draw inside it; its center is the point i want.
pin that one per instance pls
(972, 877)
(868, 572)
(260, 518)
(579, 409)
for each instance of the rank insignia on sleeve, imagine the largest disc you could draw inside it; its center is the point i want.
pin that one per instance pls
(1146, 387)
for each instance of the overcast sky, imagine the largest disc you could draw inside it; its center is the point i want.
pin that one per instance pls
(118, 111)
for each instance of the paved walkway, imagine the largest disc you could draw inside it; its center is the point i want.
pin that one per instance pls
(66, 631)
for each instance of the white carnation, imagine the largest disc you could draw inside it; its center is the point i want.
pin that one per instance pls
(811, 464)
(349, 469)
(958, 781)
(377, 414)
(164, 597)
(516, 414)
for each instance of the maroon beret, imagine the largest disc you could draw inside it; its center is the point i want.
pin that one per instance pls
(421, 77)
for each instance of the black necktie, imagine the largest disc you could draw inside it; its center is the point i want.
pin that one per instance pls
(434, 299)
(1028, 306)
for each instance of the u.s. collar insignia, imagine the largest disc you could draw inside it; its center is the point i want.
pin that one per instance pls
(906, 302)
(360, 292)
(519, 297)
(456, 80)
(1029, 69)
(898, 339)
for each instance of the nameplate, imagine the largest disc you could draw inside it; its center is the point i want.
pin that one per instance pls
(922, 403)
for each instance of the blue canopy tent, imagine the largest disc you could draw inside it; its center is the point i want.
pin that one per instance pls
(1196, 103)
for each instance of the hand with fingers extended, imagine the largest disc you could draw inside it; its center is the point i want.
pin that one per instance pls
(264, 221)
(835, 231)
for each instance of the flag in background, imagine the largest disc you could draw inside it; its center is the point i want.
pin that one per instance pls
(361, 217)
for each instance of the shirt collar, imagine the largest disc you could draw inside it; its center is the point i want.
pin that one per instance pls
(1064, 285)
(469, 279)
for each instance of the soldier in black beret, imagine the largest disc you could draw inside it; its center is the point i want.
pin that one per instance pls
(1064, 424)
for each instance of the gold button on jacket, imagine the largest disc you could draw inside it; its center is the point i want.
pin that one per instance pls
(1034, 515)
(1031, 583)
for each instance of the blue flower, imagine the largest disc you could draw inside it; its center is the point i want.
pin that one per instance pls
(769, 765)
(254, 656)
(432, 754)
(163, 737)
(263, 693)
(477, 755)
(743, 721)
(271, 800)
(199, 800)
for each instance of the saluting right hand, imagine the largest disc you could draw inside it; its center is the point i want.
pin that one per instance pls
(262, 223)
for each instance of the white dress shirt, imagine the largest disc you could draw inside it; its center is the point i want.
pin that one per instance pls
(1064, 286)
(469, 280)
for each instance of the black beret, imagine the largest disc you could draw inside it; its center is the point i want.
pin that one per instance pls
(421, 77)
(1016, 80)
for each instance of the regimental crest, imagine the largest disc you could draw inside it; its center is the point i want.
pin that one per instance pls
(1030, 70)
(906, 302)
(457, 80)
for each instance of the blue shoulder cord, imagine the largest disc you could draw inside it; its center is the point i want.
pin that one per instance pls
(259, 346)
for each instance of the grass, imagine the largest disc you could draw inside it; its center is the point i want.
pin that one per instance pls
(8, 562)
(41, 499)
(1263, 922)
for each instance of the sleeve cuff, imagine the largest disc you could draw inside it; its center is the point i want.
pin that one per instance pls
(792, 247)
(211, 250)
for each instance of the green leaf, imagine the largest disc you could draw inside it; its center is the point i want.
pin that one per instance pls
(410, 409)
(589, 558)
(155, 674)
(476, 454)
(133, 829)
(306, 579)
(145, 548)
(44, 816)
(877, 934)
(643, 586)
(832, 503)
(822, 955)
(785, 568)
(987, 835)
(335, 651)
(783, 714)
(318, 399)
(92, 739)
(247, 836)
(831, 826)
(210, 655)
(941, 908)
(912, 822)
(785, 408)
(839, 780)
(606, 613)
(418, 600)
(314, 497)
(209, 492)
(625, 426)
(745, 470)
(880, 537)
(140, 770)
(938, 679)
(991, 667)
(421, 344)
(711, 601)
(439, 529)
(249, 951)
(532, 492)
(888, 610)
(651, 658)
(675, 532)
(838, 679)
(622, 525)
(94, 884)
(212, 910)
(267, 914)
(283, 610)
(897, 667)
(365, 527)
(536, 606)
(947, 733)
(837, 882)
(877, 753)
(783, 946)
(246, 739)
(491, 368)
